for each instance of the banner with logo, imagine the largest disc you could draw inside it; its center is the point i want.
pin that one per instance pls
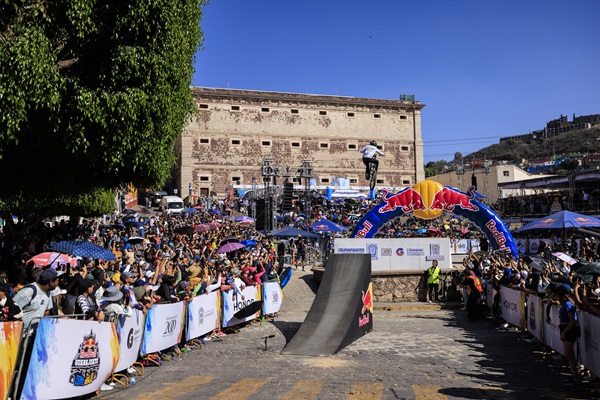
(522, 245)
(512, 304)
(232, 305)
(490, 293)
(398, 254)
(551, 330)
(535, 316)
(589, 341)
(534, 245)
(459, 246)
(203, 314)
(129, 330)
(272, 297)
(10, 337)
(70, 358)
(475, 244)
(163, 328)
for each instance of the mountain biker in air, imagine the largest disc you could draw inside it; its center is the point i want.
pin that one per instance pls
(368, 152)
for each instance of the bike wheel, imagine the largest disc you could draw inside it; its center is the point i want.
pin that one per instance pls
(373, 178)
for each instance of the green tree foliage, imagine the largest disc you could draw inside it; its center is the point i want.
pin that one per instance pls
(433, 168)
(93, 94)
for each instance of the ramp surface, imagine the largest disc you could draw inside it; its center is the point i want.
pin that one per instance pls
(342, 310)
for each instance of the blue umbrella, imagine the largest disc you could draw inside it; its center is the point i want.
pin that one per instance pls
(84, 249)
(561, 220)
(244, 218)
(248, 243)
(191, 210)
(325, 225)
(133, 224)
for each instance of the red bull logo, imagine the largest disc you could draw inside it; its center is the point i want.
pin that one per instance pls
(366, 229)
(408, 199)
(367, 299)
(427, 199)
(447, 199)
(498, 236)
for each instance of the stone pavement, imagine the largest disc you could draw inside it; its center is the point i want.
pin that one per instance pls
(428, 353)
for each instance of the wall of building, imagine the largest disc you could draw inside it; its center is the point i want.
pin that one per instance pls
(487, 183)
(236, 129)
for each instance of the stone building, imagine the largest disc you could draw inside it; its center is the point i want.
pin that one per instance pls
(236, 129)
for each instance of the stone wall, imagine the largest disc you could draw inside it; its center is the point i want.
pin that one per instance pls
(399, 287)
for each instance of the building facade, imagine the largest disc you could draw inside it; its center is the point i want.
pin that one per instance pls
(488, 180)
(235, 130)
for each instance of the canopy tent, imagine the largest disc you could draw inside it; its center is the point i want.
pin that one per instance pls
(325, 225)
(562, 220)
(290, 231)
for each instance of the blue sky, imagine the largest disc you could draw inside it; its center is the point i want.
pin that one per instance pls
(484, 69)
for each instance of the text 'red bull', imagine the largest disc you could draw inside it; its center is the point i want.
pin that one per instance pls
(446, 199)
(363, 232)
(499, 236)
(408, 199)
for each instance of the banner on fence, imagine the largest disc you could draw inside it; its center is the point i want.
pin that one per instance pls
(535, 316)
(490, 292)
(512, 304)
(10, 337)
(231, 306)
(272, 297)
(129, 330)
(163, 328)
(589, 341)
(551, 331)
(203, 314)
(459, 246)
(70, 358)
(398, 254)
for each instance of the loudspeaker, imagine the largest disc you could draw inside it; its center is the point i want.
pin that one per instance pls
(288, 195)
(262, 209)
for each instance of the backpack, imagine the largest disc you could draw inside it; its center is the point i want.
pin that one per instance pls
(33, 287)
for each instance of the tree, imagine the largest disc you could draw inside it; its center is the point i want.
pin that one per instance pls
(458, 156)
(93, 94)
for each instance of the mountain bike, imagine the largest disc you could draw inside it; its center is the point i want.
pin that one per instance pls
(372, 174)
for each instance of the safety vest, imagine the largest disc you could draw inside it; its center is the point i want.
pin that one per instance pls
(432, 275)
(476, 282)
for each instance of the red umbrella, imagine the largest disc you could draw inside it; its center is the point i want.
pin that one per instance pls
(202, 228)
(53, 259)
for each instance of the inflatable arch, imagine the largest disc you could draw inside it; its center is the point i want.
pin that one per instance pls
(429, 200)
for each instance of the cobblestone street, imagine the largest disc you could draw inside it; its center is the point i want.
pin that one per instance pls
(410, 354)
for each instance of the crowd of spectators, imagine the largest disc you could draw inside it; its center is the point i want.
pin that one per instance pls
(541, 204)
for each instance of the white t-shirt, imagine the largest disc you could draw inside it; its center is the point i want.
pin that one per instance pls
(369, 151)
(41, 303)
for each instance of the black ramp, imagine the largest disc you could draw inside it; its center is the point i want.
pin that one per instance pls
(342, 310)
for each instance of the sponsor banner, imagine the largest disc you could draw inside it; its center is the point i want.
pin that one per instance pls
(490, 293)
(522, 245)
(512, 304)
(535, 316)
(398, 254)
(534, 245)
(475, 245)
(231, 306)
(70, 358)
(551, 331)
(460, 246)
(163, 328)
(272, 297)
(589, 341)
(203, 314)
(10, 337)
(129, 331)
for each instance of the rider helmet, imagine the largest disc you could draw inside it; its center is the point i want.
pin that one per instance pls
(373, 143)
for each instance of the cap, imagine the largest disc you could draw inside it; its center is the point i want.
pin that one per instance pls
(140, 282)
(49, 274)
(149, 274)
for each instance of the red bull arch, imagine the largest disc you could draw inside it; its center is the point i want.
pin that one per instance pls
(429, 200)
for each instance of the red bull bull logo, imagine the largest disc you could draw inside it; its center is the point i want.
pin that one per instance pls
(447, 199)
(407, 199)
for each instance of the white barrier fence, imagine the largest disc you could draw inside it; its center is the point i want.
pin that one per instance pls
(527, 311)
(71, 357)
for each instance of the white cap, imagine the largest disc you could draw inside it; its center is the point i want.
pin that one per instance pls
(57, 291)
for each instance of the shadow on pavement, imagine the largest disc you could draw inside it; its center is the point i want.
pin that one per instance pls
(514, 369)
(311, 283)
(287, 329)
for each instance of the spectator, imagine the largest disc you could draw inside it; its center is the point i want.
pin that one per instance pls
(433, 281)
(34, 299)
(86, 303)
(9, 311)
